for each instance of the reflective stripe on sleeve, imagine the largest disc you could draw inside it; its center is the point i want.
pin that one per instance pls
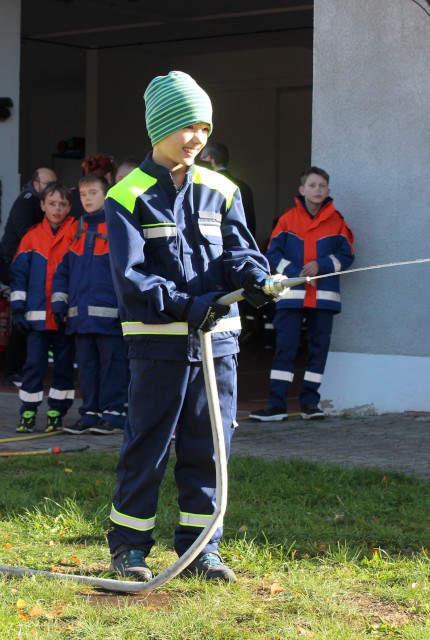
(60, 297)
(18, 295)
(159, 231)
(336, 263)
(193, 519)
(140, 524)
(282, 266)
(328, 295)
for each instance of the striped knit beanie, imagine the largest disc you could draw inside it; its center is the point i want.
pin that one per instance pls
(173, 102)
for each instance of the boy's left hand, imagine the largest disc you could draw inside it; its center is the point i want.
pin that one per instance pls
(310, 269)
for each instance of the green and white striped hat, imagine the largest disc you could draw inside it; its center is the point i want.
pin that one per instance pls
(173, 102)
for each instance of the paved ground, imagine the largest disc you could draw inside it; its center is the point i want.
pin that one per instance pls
(399, 442)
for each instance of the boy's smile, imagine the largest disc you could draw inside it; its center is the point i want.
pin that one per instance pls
(180, 148)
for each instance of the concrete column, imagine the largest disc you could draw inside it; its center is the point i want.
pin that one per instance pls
(370, 132)
(10, 37)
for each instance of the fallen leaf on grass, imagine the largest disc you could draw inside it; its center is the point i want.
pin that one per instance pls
(67, 470)
(302, 631)
(35, 611)
(7, 545)
(75, 560)
(54, 614)
(276, 588)
(23, 616)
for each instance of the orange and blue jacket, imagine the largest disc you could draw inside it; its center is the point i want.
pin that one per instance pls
(32, 270)
(82, 287)
(299, 238)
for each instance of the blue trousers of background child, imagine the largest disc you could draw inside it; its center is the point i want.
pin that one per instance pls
(103, 378)
(288, 325)
(61, 393)
(166, 396)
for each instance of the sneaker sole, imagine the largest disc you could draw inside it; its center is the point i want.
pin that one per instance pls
(314, 416)
(21, 431)
(103, 432)
(75, 432)
(282, 417)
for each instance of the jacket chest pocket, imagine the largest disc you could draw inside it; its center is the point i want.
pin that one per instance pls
(209, 223)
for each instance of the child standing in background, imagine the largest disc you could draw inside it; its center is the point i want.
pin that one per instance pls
(32, 270)
(84, 300)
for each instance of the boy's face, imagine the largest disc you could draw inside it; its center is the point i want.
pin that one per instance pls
(92, 197)
(56, 208)
(181, 147)
(315, 190)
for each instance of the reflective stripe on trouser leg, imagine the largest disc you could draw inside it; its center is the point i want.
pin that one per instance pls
(156, 394)
(288, 326)
(319, 328)
(61, 393)
(195, 457)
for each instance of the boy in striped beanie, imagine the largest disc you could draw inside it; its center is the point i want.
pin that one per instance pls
(178, 240)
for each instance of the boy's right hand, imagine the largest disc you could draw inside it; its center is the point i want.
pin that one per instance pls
(20, 323)
(60, 320)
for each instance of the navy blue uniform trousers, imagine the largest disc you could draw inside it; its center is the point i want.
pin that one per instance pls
(61, 393)
(288, 325)
(165, 396)
(103, 377)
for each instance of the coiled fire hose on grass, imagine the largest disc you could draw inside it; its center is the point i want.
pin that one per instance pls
(274, 286)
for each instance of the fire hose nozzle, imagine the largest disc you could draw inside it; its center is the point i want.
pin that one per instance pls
(278, 284)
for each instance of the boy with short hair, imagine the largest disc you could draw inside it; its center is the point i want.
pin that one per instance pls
(38, 255)
(84, 300)
(178, 240)
(309, 239)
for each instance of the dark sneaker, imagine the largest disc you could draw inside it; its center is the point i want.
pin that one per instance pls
(131, 564)
(13, 380)
(312, 412)
(27, 422)
(105, 428)
(269, 413)
(211, 567)
(79, 427)
(54, 421)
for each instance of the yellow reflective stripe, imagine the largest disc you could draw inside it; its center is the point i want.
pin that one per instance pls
(140, 524)
(176, 328)
(193, 519)
(214, 180)
(127, 190)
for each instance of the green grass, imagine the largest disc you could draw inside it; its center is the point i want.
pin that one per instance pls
(320, 552)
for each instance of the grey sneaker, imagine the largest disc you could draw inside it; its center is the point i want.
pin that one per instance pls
(131, 564)
(105, 428)
(269, 413)
(312, 412)
(211, 567)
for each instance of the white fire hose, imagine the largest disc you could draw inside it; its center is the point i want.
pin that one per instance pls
(274, 286)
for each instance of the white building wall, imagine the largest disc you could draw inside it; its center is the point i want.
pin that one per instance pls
(10, 29)
(371, 132)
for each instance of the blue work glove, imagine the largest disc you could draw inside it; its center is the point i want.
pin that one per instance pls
(20, 323)
(253, 284)
(204, 312)
(60, 320)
